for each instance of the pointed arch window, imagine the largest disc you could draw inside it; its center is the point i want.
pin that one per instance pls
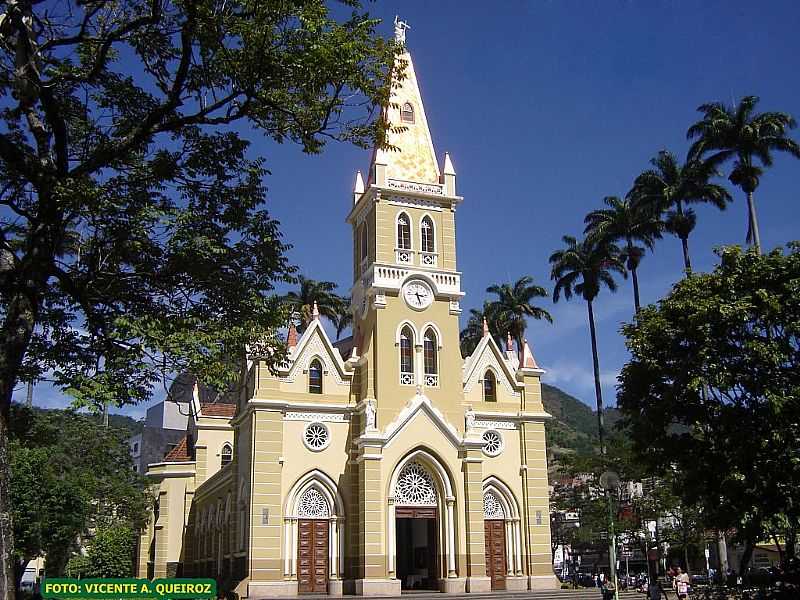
(403, 232)
(489, 387)
(406, 356)
(430, 350)
(364, 247)
(226, 455)
(407, 113)
(426, 229)
(315, 377)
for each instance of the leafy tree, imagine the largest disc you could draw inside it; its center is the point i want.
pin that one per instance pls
(514, 304)
(111, 552)
(322, 293)
(711, 391)
(670, 186)
(630, 222)
(735, 132)
(133, 240)
(584, 268)
(69, 475)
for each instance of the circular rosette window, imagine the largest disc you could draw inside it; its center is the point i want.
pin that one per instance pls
(492, 442)
(316, 436)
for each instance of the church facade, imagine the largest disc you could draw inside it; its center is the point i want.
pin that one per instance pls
(384, 465)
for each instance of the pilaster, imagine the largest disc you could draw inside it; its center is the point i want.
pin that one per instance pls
(477, 581)
(266, 518)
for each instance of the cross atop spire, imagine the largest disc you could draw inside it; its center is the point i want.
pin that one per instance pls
(400, 30)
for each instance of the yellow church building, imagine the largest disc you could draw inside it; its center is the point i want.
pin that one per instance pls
(393, 464)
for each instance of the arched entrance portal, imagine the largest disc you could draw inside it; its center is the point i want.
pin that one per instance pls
(502, 533)
(314, 544)
(421, 528)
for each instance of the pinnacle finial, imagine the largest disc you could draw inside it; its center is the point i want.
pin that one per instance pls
(315, 311)
(448, 165)
(527, 360)
(400, 30)
(509, 342)
(485, 327)
(291, 338)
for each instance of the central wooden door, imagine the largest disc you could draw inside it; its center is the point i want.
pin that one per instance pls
(312, 557)
(496, 566)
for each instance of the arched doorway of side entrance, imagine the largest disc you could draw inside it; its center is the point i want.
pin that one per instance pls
(313, 534)
(502, 533)
(421, 526)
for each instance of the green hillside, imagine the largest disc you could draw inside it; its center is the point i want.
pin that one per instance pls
(574, 424)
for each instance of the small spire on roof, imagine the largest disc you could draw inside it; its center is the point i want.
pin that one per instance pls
(448, 165)
(315, 311)
(485, 327)
(509, 342)
(526, 359)
(358, 189)
(291, 338)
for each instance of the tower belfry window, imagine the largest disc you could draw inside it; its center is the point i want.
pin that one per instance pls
(403, 232)
(407, 113)
(430, 348)
(426, 227)
(406, 356)
(364, 239)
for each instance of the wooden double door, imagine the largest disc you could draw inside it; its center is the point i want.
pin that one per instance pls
(312, 556)
(496, 565)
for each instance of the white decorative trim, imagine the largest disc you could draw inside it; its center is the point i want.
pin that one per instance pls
(493, 443)
(313, 505)
(415, 487)
(412, 186)
(492, 508)
(320, 417)
(482, 424)
(421, 402)
(309, 346)
(316, 436)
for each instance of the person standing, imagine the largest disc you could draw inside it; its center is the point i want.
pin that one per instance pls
(681, 584)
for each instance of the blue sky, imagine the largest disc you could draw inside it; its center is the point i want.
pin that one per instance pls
(546, 107)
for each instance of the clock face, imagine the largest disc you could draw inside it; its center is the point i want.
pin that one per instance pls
(418, 294)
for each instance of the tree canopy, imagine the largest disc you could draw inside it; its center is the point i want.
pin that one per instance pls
(69, 476)
(712, 390)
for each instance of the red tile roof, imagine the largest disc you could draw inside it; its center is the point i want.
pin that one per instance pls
(180, 452)
(217, 409)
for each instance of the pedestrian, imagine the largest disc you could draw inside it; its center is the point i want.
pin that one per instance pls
(681, 583)
(608, 589)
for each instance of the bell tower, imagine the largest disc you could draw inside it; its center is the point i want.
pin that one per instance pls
(406, 287)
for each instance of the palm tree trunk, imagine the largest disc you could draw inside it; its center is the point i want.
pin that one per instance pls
(686, 262)
(634, 277)
(598, 392)
(751, 211)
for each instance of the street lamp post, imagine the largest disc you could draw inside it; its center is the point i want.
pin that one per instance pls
(609, 481)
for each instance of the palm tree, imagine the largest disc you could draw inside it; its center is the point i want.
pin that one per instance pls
(471, 335)
(727, 132)
(670, 186)
(584, 268)
(514, 304)
(309, 291)
(629, 221)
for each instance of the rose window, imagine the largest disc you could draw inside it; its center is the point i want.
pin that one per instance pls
(492, 509)
(415, 487)
(313, 505)
(492, 442)
(316, 437)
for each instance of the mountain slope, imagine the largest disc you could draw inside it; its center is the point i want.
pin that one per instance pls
(574, 424)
